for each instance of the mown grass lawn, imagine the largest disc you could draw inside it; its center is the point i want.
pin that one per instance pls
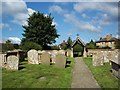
(38, 76)
(103, 75)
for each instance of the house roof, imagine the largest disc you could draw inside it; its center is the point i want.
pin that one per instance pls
(108, 38)
(79, 41)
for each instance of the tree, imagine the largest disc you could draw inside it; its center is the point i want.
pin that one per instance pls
(40, 30)
(91, 45)
(117, 44)
(30, 45)
(69, 43)
(100, 38)
(7, 46)
(16, 46)
(55, 47)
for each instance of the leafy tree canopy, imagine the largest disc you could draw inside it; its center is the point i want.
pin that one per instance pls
(117, 45)
(40, 30)
(69, 43)
(7, 46)
(91, 45)
(30, 45)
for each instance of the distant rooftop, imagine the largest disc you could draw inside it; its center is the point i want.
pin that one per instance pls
(108, 38)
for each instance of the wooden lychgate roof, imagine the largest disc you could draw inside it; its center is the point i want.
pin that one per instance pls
(78, 41)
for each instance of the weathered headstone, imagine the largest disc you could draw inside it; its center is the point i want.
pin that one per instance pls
(62, 52)
(60, 61)
(39, 56)
(55, 52)
(33, 57)
(105, 56)
(45, 58)
(12, 62)
(69, 53)
(97, 59)
(3, 60)
(53, 57)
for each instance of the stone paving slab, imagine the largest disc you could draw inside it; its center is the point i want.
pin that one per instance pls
(82, 76)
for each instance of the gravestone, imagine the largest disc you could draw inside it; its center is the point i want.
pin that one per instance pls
(45, 58)
(39, 56)
(55, 52)
(12, 62)
(60, 61)
(3, 60)
(69, 53)
(62, 52)
(97, 59)
(33, 57)
(53, 57)
(105, 56)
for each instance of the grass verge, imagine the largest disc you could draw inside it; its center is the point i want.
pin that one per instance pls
(103, 75)
(38, 76)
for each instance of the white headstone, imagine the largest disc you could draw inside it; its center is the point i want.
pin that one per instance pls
(12, 62)
(33, 57)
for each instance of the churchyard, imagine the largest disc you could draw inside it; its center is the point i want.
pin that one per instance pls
(40, 69)
(37, 63)
(53, 68)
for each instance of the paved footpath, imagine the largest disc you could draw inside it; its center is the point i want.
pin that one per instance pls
(82, 76)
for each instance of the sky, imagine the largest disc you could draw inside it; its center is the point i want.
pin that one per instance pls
(91, 20)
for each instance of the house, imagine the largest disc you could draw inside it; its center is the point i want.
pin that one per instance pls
(108, 41)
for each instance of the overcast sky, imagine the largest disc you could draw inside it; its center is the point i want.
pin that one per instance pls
(91, 20)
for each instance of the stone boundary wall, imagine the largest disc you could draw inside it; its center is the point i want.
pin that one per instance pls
(107, 54)
(101, 56)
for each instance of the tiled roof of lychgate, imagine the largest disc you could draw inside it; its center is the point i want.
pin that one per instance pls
(79, 41)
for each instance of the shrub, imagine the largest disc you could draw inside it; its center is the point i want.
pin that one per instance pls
(55, 47)
(30, 45)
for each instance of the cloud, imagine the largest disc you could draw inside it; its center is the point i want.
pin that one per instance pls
(101, 19)
(3, 25)
(15, 40)
(54, 23)
(30, 11)
(105, 20)
(17, 10)
(85, 16)
(80, 25)
(110, 8)
(69, 34)
(56, 8)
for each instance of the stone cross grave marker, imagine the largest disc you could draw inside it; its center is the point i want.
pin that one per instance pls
(12, 62)
(33, 57)
(60, 61)
(45, 58)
